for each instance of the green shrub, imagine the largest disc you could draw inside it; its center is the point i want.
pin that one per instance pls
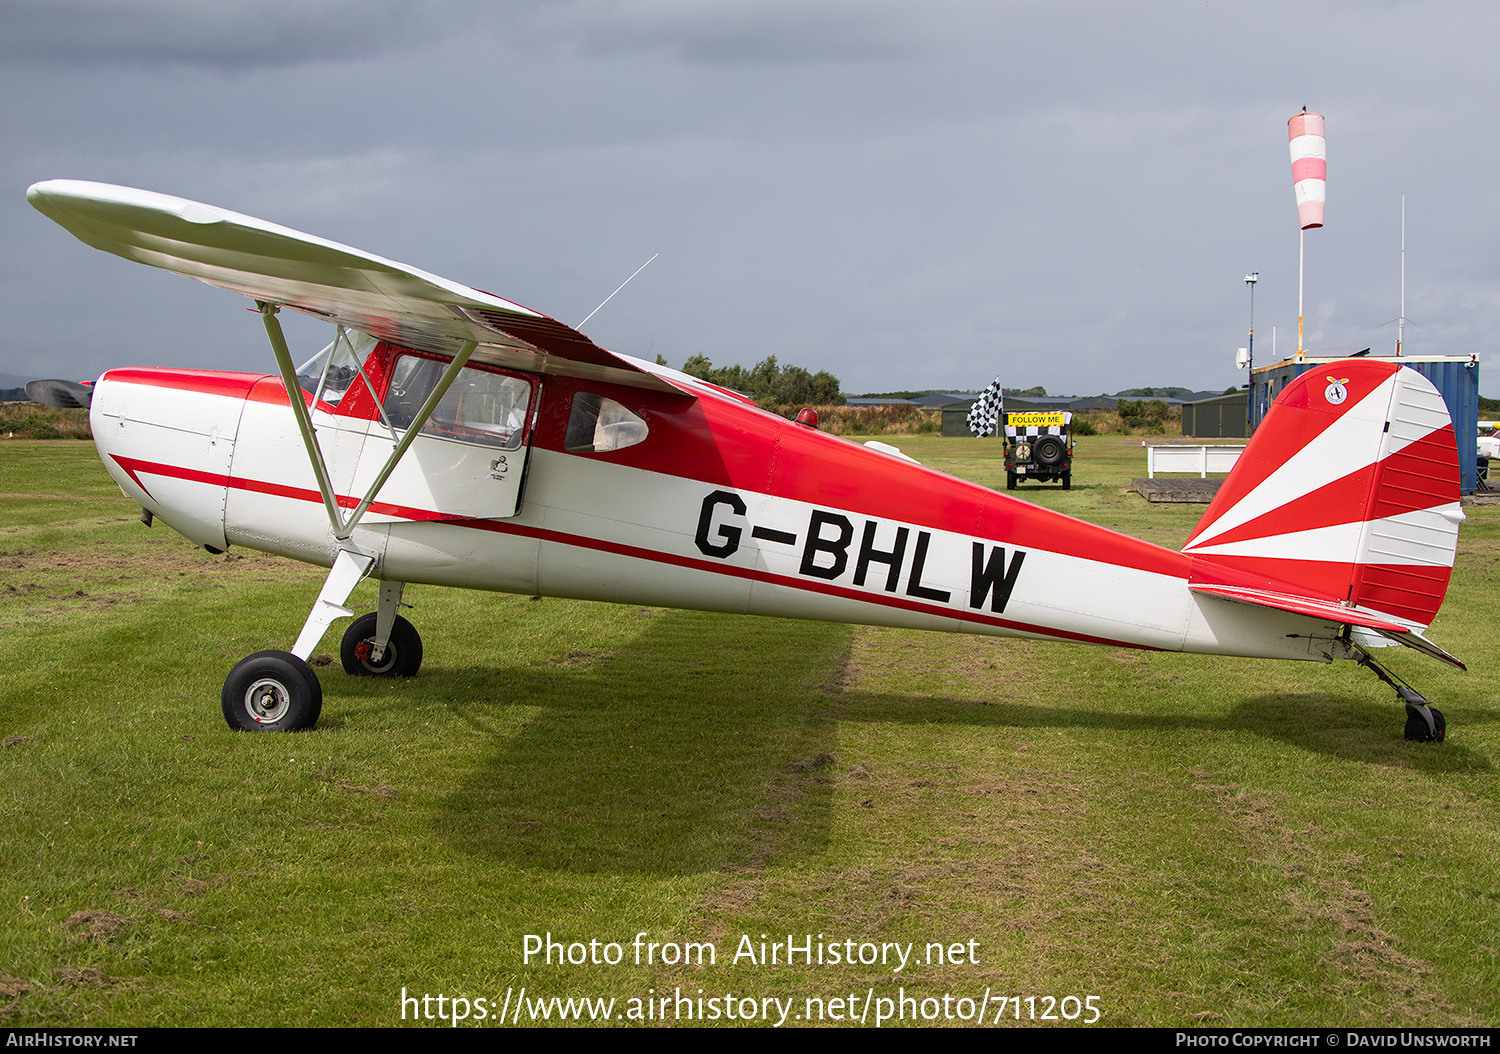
(28, 420)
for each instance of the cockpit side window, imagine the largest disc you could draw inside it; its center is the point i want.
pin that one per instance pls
(480, 407)
(598, 425)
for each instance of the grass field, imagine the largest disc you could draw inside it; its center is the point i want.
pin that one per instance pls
(1188, 840)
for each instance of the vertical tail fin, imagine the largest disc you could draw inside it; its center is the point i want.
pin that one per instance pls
(1348, 492)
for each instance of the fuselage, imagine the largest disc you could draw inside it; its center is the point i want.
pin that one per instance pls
(698, 500)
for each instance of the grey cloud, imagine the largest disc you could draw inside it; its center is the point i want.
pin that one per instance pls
(759, 31)
(907, 194)
(213, 33)
(245, 34)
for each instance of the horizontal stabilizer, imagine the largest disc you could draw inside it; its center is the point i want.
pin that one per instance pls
(275, 264)
(1414, 639)
(1331, 610)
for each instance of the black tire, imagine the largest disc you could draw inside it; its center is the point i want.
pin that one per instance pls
(272, 691)
(403, 654)
(1067, 479)
(1416, 726)
(1049, 450)
(1010, 481)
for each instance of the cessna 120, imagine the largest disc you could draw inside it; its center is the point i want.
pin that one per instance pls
(449, 437)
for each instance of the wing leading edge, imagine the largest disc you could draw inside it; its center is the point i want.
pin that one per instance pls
(279, 265)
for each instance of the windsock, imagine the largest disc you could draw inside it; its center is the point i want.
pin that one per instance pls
(1309, 167)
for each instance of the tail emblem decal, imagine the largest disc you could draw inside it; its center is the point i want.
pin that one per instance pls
(1336, 393)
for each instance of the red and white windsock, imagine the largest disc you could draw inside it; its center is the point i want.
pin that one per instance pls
(1309, 167)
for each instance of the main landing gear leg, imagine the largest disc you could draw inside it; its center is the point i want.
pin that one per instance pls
(1424, 722)
(276, 691)
(385, 617)
(382, 643)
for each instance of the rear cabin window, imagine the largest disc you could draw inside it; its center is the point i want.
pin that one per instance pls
(481, 407)
(598, 425)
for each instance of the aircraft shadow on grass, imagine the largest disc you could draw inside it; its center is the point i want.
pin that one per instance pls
(637, 761)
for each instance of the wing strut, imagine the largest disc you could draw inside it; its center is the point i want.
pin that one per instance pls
(299, 411)
(342, 528)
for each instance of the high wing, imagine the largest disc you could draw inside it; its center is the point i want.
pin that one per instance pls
(277, 265)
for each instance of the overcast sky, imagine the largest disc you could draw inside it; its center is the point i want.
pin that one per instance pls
(910, 195)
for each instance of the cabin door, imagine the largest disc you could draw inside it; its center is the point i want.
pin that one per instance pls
(469, 461)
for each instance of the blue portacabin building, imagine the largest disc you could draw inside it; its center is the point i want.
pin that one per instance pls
(1456, 377)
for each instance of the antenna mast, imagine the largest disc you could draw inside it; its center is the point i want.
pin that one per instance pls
(611, 296)
(1401, 322)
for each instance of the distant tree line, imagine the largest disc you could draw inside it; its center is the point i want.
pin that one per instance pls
(769, 383)
(1168, 393)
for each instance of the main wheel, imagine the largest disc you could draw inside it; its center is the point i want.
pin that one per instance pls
(1067, 479)
(403, 653)
(272, 691)
(1010, 481)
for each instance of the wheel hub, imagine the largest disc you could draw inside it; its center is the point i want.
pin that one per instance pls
(364, 651)
(267, 701)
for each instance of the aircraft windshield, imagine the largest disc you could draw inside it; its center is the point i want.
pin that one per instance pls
(336, 366)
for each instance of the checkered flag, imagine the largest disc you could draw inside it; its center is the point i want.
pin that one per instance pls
(984, 415)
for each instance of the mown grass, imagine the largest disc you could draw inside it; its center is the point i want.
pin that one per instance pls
(1192, 840)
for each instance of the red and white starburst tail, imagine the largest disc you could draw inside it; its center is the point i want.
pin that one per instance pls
(1347, 493)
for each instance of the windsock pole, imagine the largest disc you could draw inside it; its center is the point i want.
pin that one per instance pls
(1301, 270)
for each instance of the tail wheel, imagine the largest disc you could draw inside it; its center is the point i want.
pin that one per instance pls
(403, 653)
(1416, 726)
(272, 691)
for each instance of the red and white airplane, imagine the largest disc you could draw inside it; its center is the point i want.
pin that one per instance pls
(449, 437)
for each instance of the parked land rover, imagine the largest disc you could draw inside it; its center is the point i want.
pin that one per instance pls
(1039, 446)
